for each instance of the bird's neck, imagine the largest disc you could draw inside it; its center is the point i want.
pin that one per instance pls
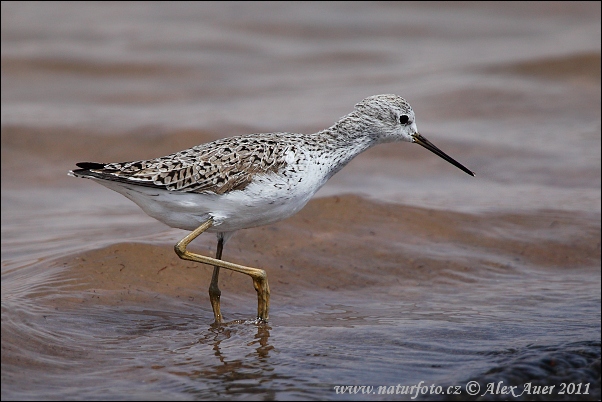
(351, 133)
(353, 143)
(339, 146)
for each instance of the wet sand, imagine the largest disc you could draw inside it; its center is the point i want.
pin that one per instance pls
(402, 269)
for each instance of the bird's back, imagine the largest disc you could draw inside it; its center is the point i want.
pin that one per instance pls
(241, 181)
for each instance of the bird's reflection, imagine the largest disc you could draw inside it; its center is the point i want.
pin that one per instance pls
(224, 331)
(224, 359)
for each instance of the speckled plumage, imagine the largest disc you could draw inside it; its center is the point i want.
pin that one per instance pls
(217, 167)
(288, 168)
(255, 179)
(231, 163)
(252, 180)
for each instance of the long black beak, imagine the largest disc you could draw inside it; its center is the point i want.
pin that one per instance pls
(420, 140)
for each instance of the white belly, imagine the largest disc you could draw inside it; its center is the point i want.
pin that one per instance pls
(266, 200)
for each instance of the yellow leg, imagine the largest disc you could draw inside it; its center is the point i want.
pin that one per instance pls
(259, 276)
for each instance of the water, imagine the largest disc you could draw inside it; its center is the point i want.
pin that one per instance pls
(403, 271)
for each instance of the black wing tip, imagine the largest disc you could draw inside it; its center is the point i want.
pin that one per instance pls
(90, 165)
(98, 171)
(87, 170)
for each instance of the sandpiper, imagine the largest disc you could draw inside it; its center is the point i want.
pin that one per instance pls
(252, 180)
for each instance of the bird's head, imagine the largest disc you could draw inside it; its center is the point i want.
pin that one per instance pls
(390, 118)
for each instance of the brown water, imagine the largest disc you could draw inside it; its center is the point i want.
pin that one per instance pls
(402, 270)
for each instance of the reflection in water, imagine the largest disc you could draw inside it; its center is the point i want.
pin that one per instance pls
(241, 360)
(224, 331)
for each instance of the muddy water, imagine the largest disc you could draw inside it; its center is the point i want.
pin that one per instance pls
(403, 271)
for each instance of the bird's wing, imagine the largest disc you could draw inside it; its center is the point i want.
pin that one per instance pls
(219, 166)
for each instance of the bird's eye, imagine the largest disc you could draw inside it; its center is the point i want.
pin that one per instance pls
(404, 119)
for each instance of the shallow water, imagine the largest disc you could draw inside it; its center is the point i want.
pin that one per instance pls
(403, 271)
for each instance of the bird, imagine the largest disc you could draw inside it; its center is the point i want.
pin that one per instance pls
(252, 180)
